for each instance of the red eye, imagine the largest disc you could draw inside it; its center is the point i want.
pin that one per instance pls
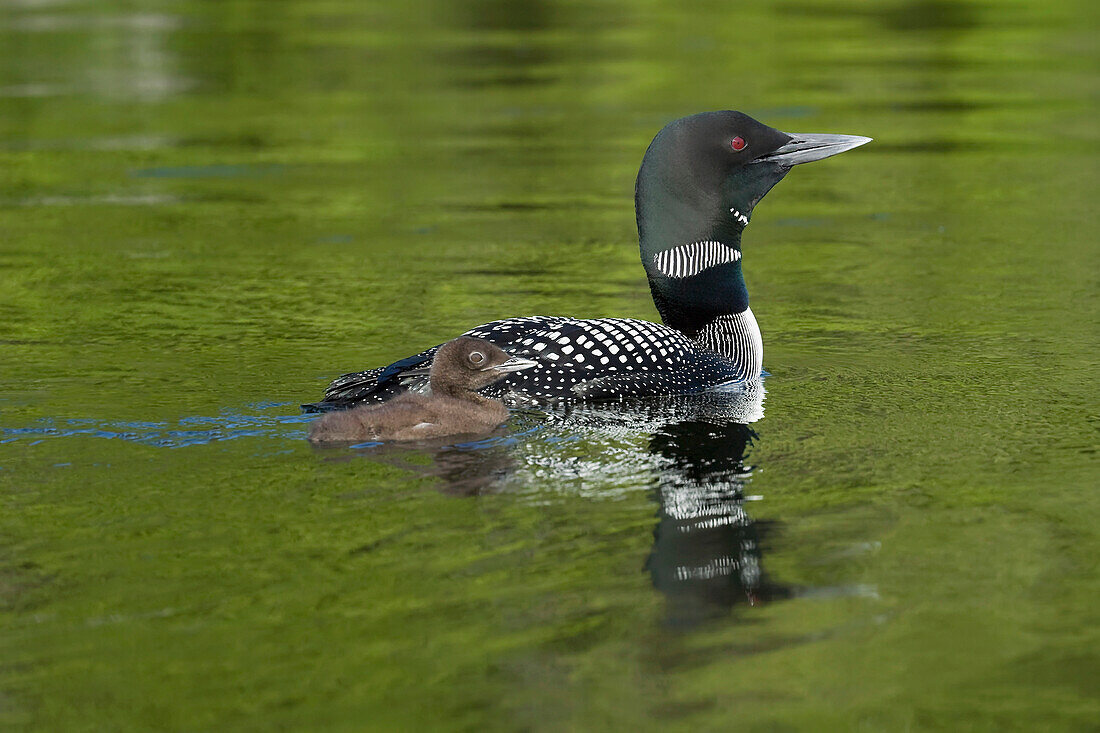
(738, 143)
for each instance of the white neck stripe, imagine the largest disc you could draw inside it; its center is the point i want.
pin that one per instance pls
(691, 259)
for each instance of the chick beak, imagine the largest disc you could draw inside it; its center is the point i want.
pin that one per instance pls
(514, 364)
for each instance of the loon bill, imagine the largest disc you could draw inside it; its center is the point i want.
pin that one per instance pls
(698, 184)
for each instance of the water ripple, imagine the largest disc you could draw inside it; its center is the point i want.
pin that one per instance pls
(184, 432)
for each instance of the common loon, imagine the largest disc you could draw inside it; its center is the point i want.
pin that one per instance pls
(459, 369)
(698, 184)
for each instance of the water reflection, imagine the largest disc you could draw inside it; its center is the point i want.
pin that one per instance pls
(706, 554)
(112, 56)
(906, 17)
(466, 469)
(689, 451)
(496, 15)
(484, 63)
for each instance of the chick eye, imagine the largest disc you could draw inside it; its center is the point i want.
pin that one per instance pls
(476, 357)
(738, 144)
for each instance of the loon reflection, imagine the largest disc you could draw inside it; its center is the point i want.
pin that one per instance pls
(706, 557)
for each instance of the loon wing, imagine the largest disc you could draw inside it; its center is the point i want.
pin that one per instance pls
(620, 386)
(379, 384)
(610, 358)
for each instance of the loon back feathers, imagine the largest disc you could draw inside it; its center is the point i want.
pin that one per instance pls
(599, 358)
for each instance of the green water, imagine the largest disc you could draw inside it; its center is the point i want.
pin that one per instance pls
(208, 210)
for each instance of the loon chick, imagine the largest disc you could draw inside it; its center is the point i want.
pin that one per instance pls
(460, 368)
(698, 184)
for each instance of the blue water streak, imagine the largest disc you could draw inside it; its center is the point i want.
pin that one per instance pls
(263, 421)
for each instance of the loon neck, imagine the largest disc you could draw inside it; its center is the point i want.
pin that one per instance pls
(690, 242)
(696, 280)
(699, 290)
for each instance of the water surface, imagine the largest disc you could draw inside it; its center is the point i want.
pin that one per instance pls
(209, 210)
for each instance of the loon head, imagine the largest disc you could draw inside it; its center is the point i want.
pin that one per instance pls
(699, 182)
(466, 364)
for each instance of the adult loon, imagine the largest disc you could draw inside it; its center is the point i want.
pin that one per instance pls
(459, 369)
(698, 184)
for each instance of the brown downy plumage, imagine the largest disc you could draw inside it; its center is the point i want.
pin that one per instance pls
(459, 369)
